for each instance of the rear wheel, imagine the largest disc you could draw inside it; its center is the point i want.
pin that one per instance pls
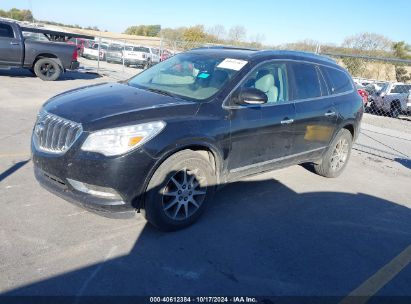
(47, 69)
(179, 191)
(336, 158)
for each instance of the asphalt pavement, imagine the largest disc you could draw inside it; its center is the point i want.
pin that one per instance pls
(286, 232)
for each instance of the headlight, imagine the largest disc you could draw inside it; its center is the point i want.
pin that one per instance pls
(121, 140)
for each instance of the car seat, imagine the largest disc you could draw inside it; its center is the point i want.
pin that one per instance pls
(265, 83)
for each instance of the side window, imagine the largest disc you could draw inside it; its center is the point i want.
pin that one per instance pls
(399, 89)
(323, 84)
(338, 81)
(270, 78)
(6, 31)
(306, 81)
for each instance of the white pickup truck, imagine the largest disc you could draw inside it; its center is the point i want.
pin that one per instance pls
(92, 51)
(141, 56)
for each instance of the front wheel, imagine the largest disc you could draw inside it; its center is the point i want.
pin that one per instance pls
(179, 191)
(47, 69)
(147, 65)
(336, 158)
(395, 110)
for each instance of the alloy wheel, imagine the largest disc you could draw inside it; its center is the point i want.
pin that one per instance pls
(183, 194)
(340, 154)
(47, 70)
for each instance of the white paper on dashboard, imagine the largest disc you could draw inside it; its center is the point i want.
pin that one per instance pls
(232, 64)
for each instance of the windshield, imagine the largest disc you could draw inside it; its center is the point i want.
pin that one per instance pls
(115, 48)
(193, 76)
(141, 49)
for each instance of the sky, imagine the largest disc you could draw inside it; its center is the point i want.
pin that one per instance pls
(279, 22)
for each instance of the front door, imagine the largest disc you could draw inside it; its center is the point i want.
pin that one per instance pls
(262, 135)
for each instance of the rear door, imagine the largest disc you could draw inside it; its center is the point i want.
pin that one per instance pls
(316, 114)
(11, 48)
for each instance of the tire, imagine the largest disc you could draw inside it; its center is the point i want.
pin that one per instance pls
(395, 110)
(147, 65)
(337, 155)
(47, 69)
(167, 195)
(373, 107)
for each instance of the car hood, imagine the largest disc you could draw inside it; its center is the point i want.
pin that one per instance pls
(94, 103)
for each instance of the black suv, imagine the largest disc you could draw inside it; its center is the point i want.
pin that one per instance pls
(162, 141)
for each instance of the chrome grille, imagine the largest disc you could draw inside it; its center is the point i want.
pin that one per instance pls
(54, 134)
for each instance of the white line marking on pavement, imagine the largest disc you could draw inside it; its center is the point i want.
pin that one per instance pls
(373, 284)
(95, 272)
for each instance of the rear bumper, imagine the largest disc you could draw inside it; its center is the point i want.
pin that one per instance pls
(89, 56)
(135, 61)
(114, 59)
(74, 65)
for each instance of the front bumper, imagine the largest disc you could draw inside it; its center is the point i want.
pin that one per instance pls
(114, 59)
(126, 176)
(105, 207)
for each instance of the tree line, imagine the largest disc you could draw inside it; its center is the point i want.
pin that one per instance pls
(366, 44)
(17, 14)
(26, 15)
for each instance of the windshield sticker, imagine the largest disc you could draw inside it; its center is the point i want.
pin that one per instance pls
(203, 75)
(232, 64)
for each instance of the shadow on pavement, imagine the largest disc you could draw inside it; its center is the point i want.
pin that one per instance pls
(257, 238)
(13, 169)
(68, 75)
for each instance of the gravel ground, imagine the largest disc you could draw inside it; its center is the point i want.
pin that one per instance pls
(402, 124)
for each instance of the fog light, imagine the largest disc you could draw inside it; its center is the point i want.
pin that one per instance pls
(94, 190)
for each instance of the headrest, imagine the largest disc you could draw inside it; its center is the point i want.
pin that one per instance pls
(264, 81)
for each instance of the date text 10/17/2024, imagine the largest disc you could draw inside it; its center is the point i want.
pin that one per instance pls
(203, 300)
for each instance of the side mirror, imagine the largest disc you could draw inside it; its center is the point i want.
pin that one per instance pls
(251, 96)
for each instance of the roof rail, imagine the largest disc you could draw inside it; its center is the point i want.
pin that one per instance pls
(226, 47)
(306, 54)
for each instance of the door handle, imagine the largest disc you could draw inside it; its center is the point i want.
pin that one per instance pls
(14, 43)
(329, 114)
(287, 121)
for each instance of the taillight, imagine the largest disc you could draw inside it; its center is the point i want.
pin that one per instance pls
(74, 57)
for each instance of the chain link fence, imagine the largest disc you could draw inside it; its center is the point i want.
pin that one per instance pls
(384, 85)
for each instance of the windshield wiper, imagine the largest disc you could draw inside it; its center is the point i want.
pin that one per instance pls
(161, 92)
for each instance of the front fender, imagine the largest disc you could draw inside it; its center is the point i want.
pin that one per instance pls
(194, 143)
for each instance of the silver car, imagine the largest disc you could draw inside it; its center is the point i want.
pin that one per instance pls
(393, 99)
